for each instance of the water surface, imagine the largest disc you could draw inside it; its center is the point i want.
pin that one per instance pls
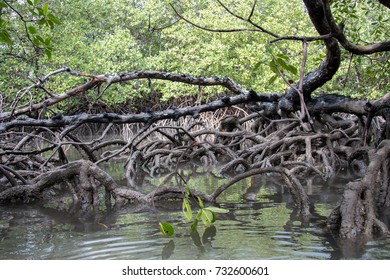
(260, 225)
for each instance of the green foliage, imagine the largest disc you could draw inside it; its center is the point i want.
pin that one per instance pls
(205, 214)
(5, 37)
(116, 36)
(366, 22)
(217, 209)
(187, 209)
(166, 229)
(30, 18)
(279, 65)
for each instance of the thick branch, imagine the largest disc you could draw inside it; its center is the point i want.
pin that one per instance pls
(327, 68)
(355, 49)
(60, 121)
(322, 104)
(112, 79)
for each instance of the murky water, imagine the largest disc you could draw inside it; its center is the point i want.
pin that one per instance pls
(260, 225)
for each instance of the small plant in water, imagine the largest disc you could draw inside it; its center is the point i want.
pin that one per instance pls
(206, 214)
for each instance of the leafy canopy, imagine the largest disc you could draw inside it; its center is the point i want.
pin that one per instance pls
(121, 36)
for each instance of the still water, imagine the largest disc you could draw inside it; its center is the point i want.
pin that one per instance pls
(260, 225)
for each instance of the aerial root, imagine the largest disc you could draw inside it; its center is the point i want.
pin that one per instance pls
(252, 145)
(356, 214)
(83, 179)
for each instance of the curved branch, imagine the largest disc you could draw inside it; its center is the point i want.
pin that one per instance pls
(258, 28)
(249, 19)
(296, 188)
(60, 121)
(322, 104)
(118, 78)
(210, 29)
(340, 36)
(327, 68)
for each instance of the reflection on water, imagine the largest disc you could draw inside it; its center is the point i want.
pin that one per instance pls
(259, 225)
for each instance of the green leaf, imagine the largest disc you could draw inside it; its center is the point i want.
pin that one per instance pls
(257, 65)
(32, 29)
(166, 229)
(283, 56)
(288, 67)
(292, 69)
(50, 24)
(208, 217)
(201, 205)
(268, 49)
(36, 42)
(3, 5)
(187, 191)
(273, 79)
(33, 12)
(41, 21)
(48, 53)
(39, 38)
(45, 9)
(30, 2)
(36, 2)
(281, 62)
(273, 66)
(3, 23)
(47, 41)
(194, 225)
(187, 209)
(217, 209)
(5, 37)
(53, 18)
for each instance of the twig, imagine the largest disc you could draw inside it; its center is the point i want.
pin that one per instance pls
(210, 29)
(304, 110)
(249, 20)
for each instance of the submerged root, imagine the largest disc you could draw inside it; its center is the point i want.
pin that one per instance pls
(256, 144)
(356, 214)
(84, 179)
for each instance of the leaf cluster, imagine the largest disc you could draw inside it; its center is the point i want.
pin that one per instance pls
(204, 214)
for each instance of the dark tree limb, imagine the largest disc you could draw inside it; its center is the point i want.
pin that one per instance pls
(211, 29)
(338, 33)
(355, 216)
(374, 108)
(322, 104)
(300, 197)
(8, 175)
(61, 121)
(113, 79)
(327, 68)
(249, 19)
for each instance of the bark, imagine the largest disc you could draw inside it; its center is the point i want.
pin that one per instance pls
(355, 216)
(338, 33)
(322, 104)
(108, 80)
(85, 190)
(292, 147)
(327, 68)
